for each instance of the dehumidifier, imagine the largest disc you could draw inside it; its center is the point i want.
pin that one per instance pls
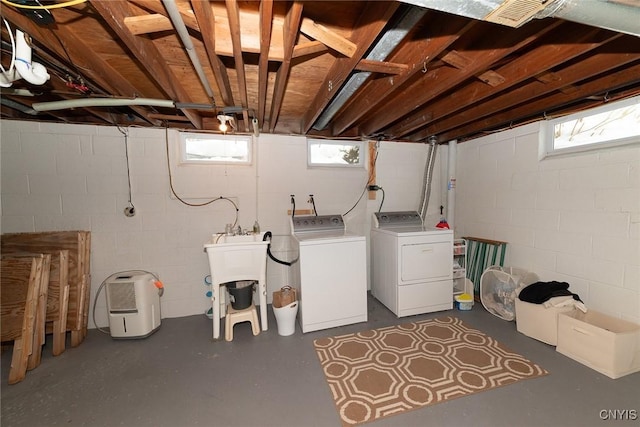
(133, 304)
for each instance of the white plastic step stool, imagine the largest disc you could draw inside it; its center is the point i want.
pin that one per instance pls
(249, 314)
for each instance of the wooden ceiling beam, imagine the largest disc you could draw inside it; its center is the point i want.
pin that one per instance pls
(114, 12)
(309, 48)
(169, 117)
(502, 42)
(233, 13)
(492, 78)
(146, 24)
(266, 22)
(290, 33)
(206, 22)
(418, 52)
(609, 82)
(381, 67)
(369, 25)
(157, 7)
(459, 60)
(603, 60)
(545, 57)
(329, 38)
(92, 65)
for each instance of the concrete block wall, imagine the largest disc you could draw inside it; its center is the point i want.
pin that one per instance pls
(70, 177)
(574, 219)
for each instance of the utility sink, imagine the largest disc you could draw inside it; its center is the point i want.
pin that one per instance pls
(234, 258)
(243, 239)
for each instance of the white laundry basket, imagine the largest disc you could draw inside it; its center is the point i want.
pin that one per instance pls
(499, 288)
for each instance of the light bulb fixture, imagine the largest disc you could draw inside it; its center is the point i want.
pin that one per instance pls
(223, 118)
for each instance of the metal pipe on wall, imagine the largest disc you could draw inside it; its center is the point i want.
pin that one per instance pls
(428, 177)
(451, 185)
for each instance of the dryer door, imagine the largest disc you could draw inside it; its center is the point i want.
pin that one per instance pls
(426, 261)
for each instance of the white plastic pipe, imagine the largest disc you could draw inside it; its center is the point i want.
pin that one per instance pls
(33, 72)
(183, 33)
(451, 185)
(8, 77)
(100, 102)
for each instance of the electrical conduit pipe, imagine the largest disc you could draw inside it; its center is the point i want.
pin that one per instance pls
(451, 186)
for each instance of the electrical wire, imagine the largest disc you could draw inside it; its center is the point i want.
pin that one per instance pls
(313, 203)
(366, 185)
(293, 206)
(125, 133)
(79, 74)
(173, 191)
(52, 6)
(382, 201)
(13, 49)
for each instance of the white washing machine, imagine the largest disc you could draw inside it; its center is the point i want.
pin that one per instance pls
(331, 273)
(411, 265)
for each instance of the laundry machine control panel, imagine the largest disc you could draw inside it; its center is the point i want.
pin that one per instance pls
(397, 219)
(302, 224)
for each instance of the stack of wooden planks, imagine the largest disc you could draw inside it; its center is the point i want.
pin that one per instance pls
(23, 298)
(67, 291)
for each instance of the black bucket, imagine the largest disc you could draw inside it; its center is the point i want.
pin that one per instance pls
(241, 294)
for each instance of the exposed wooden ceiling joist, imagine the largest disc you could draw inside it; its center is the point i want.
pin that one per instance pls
(382, 67)
(328, 38)
(370, 24)
(233, 13)
(81, 57)
(285, 62)
(626, 77)
(206, 21)
(266, 18)
(607, 59)
(147, 54)
(482, 53)
(145, 24)
(572, 46)
(290, 32)
(417, 52)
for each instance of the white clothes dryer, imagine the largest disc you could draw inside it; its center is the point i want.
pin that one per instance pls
(411, 265)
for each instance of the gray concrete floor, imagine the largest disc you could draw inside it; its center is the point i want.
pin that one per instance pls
(180, 377)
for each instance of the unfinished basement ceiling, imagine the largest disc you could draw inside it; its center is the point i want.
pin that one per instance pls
(372, 69)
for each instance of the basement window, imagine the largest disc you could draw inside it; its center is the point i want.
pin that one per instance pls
(610, 125)
(334, 153)
(201, 148)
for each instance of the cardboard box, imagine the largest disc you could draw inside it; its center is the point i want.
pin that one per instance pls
(539, 322)
(604, 343)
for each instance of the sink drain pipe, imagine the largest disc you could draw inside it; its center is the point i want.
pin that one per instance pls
(268, 236)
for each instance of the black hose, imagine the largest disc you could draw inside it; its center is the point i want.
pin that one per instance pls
(293, 206)
(267, 236)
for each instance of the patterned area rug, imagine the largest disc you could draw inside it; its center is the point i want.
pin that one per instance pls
(382, 372)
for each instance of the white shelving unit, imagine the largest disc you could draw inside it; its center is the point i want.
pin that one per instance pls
(460, 267)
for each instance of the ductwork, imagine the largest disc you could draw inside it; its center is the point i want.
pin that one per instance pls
(33, 72)
(387, 43)
(617, 15)
(428, 178)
